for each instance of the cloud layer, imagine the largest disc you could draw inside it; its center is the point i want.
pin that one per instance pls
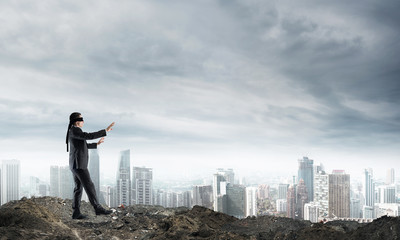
(266, 77)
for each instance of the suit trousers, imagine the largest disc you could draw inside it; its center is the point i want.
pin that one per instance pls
(82, 180)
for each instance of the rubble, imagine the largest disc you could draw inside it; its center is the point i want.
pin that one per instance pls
(50, 218)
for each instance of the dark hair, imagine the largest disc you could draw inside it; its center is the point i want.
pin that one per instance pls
(72, 117)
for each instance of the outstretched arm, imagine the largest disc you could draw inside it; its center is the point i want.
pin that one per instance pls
(79, 134)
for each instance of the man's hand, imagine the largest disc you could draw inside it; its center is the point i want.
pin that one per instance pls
(100, 141)
(109, 128)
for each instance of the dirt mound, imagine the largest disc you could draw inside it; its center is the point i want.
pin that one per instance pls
(50, 218)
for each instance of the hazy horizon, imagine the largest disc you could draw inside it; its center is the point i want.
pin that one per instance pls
(193, 86)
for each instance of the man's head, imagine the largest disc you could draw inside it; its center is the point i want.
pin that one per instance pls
(76, 119)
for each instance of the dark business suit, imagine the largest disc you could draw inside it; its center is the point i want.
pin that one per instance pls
(78, 162)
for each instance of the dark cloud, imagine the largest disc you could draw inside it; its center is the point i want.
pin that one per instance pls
(253, 72)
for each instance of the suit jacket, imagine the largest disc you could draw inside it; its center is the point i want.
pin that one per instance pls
(78, 153)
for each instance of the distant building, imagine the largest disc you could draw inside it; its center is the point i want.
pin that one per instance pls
(203, 196)
(43, 189)
(368, 212)
(387, 209)
(306, 172)
(339, 194)
(355, 208)
(10, 181)
(236, 195)
(321, 193)
(94, 169)
(282, 190)
(220, 180)
(387, 194)
(301, 199)
(251, 201)
(369, 193)
(66, 183)
(390, 177)
(123, 188)
(54, 181)
(263, 191)
(142, 185)
(187, 199)
(34, 186)
(311, 212)
(111, 196)
(291, 202)
(281, 205)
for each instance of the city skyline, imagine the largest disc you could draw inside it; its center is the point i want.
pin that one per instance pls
(193, 86)
(335, 196)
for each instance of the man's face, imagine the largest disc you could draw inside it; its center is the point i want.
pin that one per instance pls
(79, 123)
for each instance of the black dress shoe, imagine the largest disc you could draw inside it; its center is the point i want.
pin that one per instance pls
(102, 211)
(78, 216)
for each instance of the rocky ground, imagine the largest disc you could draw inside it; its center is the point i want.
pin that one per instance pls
(50, 218)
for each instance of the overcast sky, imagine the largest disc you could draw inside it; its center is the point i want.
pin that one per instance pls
(196, 85)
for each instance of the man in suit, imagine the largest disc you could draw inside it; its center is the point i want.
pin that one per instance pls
(78, 162)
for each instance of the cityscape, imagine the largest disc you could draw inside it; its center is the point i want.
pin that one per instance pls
(315, 193)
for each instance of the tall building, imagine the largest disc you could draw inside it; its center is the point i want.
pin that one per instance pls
(124, 179)
(94, 169)
(251, 201)
(10, 180)
(66, 183)
(387, 194)
(235, 199)
(339, 194)
(142, 185)
(263, 191)
(291, 202)
(203, 196)
(54, 181)
(390, 177)
(282, 190)
(306, 172)
(186, 199)
(301, 199)
(281, 205)
(321, 193)
(220, 180)
(34, 183)
(369, 188)
(355, 208)
(311, 212)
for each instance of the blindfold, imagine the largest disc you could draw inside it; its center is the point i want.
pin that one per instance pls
(77, 120)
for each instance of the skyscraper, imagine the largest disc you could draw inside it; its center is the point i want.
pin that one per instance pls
(10, 180)
(94, 170)
(124, 178)
(291, 202)
(387, 194)
(301, 199)
(369, 191)
(54, 181)
(321, 193)
(235, 200)
(203, 196)
(390, 177)
(34, 186)
(66, 183)
(282, 190)
(339, 194)
(142, 185)
(251, 201)
(220, 180)
(263, 191)
(306, 172)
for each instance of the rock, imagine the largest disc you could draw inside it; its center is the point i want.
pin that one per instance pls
(50, 218)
